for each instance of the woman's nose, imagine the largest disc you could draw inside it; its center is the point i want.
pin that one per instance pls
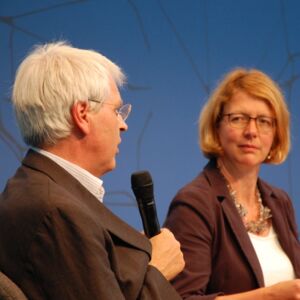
(251, 127)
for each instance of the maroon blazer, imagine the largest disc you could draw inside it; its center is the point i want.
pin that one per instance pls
(218, 253)
(57, 241)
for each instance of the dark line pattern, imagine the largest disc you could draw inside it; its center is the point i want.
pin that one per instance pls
(184, 48)
(289, 67)
(288, 84)
(140, 140)
(140, 23)
(130, 202)
(16, 148)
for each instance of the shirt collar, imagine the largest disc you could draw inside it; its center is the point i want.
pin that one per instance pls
(92, 183)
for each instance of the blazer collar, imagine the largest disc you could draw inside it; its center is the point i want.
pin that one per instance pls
(108, 220)
(280, 223)
(217, 181)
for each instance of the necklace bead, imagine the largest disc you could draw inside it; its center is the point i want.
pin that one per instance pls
(255, 227)
(261, 224)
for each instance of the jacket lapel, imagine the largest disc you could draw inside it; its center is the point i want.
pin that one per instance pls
(241, 235)
(108, 220)
(122, 230)
(279, 220)
(234, 220)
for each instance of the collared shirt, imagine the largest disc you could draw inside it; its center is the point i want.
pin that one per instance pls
(92, 183)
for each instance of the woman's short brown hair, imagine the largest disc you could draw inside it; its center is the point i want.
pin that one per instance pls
(256, 84)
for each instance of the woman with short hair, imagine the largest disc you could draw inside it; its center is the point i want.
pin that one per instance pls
(237, 232)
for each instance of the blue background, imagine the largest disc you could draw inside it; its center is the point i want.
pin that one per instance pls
(173, 52)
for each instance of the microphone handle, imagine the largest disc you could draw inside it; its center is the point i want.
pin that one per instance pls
(149, 218)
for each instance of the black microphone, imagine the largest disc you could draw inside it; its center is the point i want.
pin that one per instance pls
(142, 186)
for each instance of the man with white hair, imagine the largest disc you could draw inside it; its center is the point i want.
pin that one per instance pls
(57, 239)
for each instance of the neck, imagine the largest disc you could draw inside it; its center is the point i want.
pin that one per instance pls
(73, 151)
(247, 199)
(241, 180)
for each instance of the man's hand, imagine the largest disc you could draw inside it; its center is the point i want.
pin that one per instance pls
(166, 254)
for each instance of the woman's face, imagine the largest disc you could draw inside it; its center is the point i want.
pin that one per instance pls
(246, 143)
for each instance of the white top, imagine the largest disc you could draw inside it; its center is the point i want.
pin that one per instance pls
(275, 264)
(92, 183)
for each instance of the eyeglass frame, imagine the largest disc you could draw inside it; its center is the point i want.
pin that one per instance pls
(123, 111)
(248, 120)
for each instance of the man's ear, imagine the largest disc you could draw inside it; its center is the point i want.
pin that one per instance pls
(79, 113)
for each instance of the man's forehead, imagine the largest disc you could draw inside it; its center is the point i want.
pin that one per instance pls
(115, 95)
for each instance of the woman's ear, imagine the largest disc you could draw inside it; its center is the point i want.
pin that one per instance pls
(80, 116)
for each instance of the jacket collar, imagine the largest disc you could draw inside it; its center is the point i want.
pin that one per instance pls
(280, 222)
(108, 220)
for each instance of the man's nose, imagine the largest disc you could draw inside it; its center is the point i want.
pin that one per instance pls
(123, 124)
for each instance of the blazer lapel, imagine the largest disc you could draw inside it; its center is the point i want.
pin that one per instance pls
(241, 235)
(234, 220)
(279, 220)
(123, 231)
(107, 219)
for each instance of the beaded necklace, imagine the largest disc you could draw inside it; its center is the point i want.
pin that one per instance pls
(255, 227)
(261, 224)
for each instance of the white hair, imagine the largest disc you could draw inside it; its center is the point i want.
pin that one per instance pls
(50, 80)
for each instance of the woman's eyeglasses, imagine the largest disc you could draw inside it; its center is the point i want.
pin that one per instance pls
(240, 121)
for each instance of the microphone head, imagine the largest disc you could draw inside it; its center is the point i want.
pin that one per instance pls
(142, 185)
(140, 178)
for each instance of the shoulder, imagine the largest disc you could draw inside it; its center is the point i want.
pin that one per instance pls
(194, 190)
(35, 201)
(198, 200)
(273, 192)
(203, 191)
(277, 199)
(281, 205)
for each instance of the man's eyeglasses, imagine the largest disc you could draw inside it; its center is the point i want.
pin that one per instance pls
(123, 111)
(240, 121)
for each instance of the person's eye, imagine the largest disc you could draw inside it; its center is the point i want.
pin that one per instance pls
(236, 118)
(265, 121)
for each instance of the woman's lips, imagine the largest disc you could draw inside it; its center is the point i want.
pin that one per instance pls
(248, 147)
